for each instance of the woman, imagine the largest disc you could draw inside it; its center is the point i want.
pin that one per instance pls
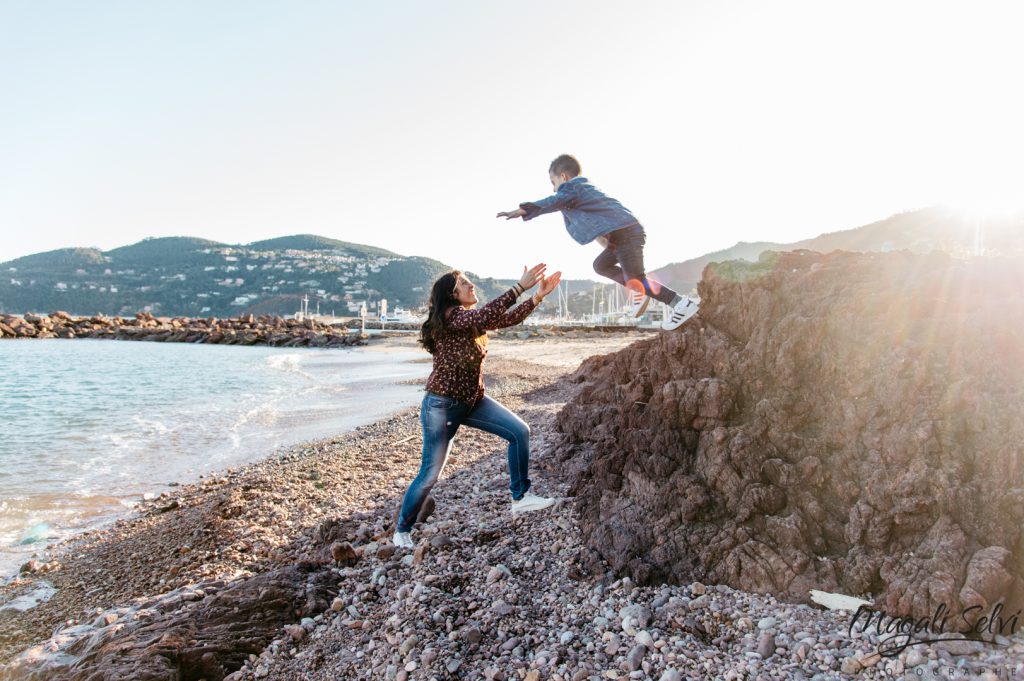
(455, 334)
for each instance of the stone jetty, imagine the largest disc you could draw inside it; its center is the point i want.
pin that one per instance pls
(248, 330)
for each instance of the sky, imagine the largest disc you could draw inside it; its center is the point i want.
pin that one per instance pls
(408, 125)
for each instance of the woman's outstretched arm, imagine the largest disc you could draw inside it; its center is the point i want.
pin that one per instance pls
(487, 317)
(521, 312)
(493, 314)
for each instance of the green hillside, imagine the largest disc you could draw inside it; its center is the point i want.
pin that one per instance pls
(407, 282)
(312, 242)
(159, 251)
(188, 276)
(60, 258)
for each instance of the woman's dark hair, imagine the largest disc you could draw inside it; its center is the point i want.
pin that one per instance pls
(442, 299)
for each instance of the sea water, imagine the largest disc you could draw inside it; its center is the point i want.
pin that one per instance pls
(87, 427)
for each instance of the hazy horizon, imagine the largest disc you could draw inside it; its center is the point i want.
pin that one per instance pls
(408, 127)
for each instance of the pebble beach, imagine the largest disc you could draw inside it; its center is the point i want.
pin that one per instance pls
(484, 594)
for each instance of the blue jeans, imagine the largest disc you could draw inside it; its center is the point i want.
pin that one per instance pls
(626, 248)
(440, 417)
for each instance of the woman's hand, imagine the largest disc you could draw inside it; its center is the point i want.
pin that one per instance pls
(511, 214)
(547, 285)
(532, 276)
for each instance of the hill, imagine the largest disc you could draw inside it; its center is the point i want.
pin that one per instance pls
(169, 250)
(62, 257)
(919, 231)
(187, 276)
(312, 242)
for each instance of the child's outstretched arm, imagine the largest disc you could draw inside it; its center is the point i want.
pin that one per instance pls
(508, 215)
(560, 200)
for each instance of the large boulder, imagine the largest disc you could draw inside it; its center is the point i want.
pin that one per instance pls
(845, 422)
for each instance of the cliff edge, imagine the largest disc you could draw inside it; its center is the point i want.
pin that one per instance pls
(846, 422)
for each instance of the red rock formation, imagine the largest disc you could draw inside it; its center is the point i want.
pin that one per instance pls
(846, 422)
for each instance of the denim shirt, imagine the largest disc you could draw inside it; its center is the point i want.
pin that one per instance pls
(587, 211)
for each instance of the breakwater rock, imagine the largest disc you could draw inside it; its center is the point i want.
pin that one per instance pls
(248, 330)
(845, 422)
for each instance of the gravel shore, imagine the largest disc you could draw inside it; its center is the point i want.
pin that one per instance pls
(251, 519)
(484, 595)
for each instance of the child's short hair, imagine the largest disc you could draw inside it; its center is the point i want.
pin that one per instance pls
(565, 164)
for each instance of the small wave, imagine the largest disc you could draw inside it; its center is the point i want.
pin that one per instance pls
(150, 426)
(36, 533)
(263, 415)
(287, 363)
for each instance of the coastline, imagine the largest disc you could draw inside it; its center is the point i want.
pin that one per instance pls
(86, 440)
(246, 519)
(484, 596)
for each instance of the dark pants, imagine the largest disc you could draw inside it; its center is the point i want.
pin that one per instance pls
(622, 261)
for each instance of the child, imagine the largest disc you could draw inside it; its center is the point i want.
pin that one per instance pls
(591, 215)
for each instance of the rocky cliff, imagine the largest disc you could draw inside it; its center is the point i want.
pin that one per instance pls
(846, 422)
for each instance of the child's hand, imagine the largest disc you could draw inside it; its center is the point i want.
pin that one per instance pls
(517, 213)
(532, 276)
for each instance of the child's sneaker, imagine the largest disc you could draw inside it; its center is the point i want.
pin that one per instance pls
(531, 502)
(638, 302)
(679, 313)
(402, 540)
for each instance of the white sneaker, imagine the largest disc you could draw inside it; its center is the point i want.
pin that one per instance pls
(531, 502)
(638, 302)
(402, 540)
(682, 311)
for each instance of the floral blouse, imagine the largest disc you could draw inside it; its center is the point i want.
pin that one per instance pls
(459, 356)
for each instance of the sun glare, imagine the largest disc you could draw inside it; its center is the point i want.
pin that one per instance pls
(987, 205)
